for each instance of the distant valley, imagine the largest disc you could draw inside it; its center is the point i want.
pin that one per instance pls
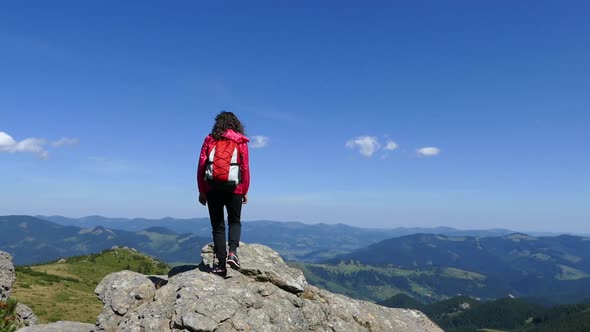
(32, 240)
(462, 314)
(431, 267)
(64, 290)
(371, 264)
(293, 240)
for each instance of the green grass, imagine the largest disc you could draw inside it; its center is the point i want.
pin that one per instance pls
(319, 281)
(161, 242)
(8, 316)
(385, 292)
(65, 291)
(419, 289)
(541, 257)
(452, 272)
(379, 283)
(571, 258)
(354, 267)
(569, 273)
(451, 238)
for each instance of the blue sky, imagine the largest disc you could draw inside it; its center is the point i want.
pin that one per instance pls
(104, 106)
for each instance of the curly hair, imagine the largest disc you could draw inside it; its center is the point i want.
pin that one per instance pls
(223, 122)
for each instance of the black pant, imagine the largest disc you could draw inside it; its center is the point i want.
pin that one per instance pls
(216, 201)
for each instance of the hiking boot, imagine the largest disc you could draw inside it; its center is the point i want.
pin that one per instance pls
(233, 261)
(219, 270)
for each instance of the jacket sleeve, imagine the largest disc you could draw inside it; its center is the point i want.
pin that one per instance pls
(201, 183)
(245, 168)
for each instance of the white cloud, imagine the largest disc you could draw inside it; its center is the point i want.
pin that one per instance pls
(428, 151)
(28, 145)
(366, 145)
(31, 144)
(390, 145)
(6, 141)
(259, 141)
(65, 141)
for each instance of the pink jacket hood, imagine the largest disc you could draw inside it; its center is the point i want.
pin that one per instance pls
(239, 138)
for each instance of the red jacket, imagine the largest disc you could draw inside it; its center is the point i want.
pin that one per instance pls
(242, 188)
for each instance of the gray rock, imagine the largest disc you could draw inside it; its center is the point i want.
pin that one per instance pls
(122, 292)
(25, 316)
(7, 275)
(195, 300)
(263, 264)
(61, 326)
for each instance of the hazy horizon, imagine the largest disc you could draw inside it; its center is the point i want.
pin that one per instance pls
(527, 231)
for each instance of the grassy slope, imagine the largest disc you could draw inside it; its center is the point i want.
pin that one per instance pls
(376, 284)
(65, 291)
(402, 300)
(458, 314)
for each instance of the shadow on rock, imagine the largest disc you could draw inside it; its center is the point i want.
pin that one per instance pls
(185, 268)
(158, 282)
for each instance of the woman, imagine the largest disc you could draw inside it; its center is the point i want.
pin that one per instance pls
(223, 178)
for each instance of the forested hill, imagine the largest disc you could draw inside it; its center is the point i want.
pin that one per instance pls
(563, 257)
(462, 314)
(434, 267)
(32, 240)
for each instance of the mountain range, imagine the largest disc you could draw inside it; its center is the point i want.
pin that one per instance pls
(64, 290)
(371, 264)
(432, 267)
(293, 240)
(563, 257)
(33, 240)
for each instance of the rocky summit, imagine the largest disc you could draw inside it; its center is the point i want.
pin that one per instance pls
(264, 295)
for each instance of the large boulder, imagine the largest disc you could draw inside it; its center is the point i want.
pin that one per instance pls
(7, 275)
(265, 295)
(263, 264)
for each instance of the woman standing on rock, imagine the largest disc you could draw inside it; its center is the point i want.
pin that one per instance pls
(223, 178)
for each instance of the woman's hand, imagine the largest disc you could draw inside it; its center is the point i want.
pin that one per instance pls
(202, 198)
(245, 199)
